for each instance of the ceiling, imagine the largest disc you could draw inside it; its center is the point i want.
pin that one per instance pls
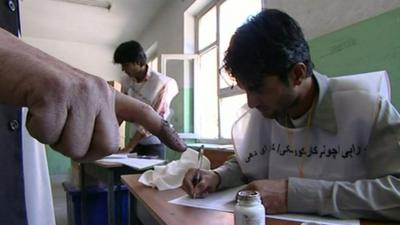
(65, 21)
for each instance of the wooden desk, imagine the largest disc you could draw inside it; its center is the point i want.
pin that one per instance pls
(156, 202)
(217, 157)
(217, 154)
(110, 174)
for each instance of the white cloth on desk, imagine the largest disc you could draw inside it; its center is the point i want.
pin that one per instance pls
(171, 175)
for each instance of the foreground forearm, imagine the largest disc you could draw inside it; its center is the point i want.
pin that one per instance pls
(18, 62)
(68, 109)
(369, 199)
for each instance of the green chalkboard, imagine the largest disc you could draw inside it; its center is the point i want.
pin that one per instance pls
(370, 45)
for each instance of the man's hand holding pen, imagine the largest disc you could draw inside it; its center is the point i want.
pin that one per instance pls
(197, 175)
(207, 184)
(199, 182)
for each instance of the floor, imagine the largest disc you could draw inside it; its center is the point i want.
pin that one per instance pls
(59, 199)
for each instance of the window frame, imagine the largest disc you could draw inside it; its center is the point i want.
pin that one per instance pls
(221, 92)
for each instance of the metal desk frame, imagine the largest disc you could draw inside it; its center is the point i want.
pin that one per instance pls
(109, 173)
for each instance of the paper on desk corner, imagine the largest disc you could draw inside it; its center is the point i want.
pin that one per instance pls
(224, 201)
(171, 175)
(116, 156)
(139, 164)
(221, 201)
(321, 220)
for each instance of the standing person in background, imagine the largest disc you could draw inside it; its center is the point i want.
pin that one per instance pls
(308, 143)
(74, 112)
(148, 86)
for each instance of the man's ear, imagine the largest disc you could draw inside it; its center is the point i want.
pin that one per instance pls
(298, 73)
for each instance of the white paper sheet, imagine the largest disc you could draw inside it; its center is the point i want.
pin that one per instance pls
(225, 201)
(221, 201)
(136, 163)
(116, 156)
(314, 219)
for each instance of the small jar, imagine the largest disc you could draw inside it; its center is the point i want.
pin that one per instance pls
(248, 209)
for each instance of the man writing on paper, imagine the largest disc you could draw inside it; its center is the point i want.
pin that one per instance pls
(308, 143)
(148, 86)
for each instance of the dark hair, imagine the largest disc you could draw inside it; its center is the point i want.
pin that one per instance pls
(130, 52)
(270, 43)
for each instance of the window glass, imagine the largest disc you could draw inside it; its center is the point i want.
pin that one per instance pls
(229, 23)
(216, 105)
(208, 28)
(208, 119)
(229, 112)
(154, 64)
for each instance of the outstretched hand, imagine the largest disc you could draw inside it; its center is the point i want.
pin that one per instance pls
(74, 112)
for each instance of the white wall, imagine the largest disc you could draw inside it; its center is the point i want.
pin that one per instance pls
(73, 33)
(318, 17)
(94, 59)
(167, 29)
(85, 36)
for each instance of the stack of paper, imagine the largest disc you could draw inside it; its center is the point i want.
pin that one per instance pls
(136, 163)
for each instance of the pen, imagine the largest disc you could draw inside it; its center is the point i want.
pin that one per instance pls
(197, 176)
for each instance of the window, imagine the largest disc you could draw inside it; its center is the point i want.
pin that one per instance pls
(153, 64)
(218, 101)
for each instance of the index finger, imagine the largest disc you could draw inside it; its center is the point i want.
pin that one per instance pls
(200, 189)
(133, 110)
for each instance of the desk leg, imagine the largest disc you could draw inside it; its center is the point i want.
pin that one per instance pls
(111, 199)
(132, 211)
(118, 208)
(83, 193)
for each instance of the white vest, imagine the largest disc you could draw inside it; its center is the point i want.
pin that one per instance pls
(147, 92)
(265, 150)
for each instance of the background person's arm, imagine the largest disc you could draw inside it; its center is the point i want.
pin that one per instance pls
(164, 97)
(130, 146)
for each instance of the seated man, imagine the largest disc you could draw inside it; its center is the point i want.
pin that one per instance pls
(309, 144)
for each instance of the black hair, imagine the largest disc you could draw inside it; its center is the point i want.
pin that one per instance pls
(268, 44)
(130, 52)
